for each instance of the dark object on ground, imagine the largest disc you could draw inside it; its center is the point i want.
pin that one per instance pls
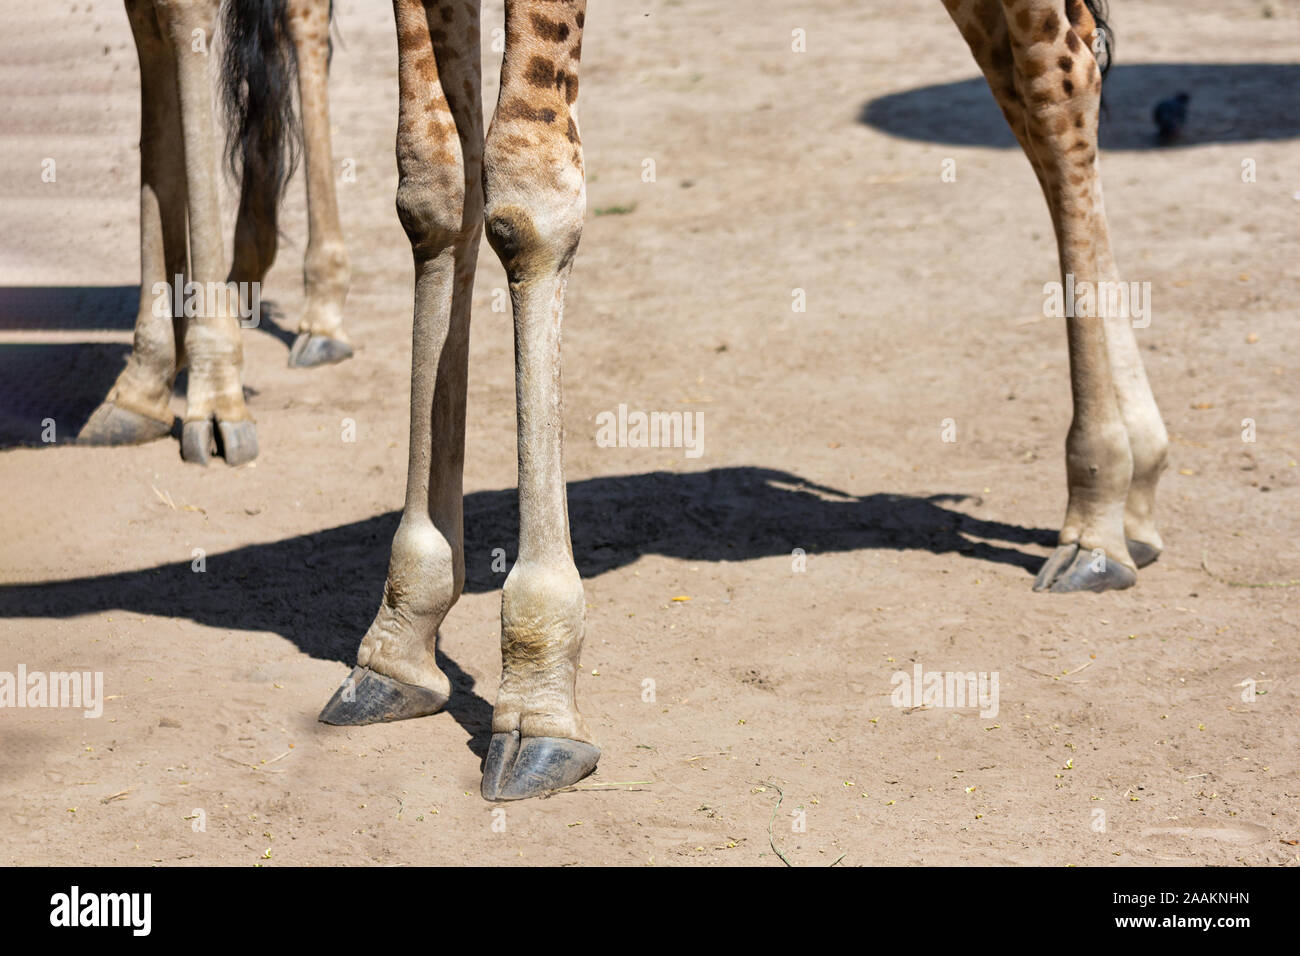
(1170, 116)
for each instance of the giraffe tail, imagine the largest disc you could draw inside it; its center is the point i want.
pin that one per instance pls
(259, 71)
(1103, 43)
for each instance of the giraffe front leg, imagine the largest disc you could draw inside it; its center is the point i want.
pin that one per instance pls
(440, 203)
(536, 198)
(321, 339)
(1057, 84)
(138, 408)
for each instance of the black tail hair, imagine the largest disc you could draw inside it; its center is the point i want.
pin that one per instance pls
(1105, 56)
(259, 71)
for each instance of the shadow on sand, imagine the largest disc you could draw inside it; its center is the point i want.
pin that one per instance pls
(320, 590)
(1230, 103)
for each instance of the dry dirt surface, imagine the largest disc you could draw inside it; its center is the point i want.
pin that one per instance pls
(743, 705)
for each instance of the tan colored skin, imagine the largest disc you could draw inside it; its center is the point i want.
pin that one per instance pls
(526, 182)
(179, 181)
(325, 268)
(1037, 57)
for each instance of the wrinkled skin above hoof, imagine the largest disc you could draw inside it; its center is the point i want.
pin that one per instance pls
(113, 425)
(1142, 553)
(238, 441)
(312, 349)
(516, 769)
(1071, 569)
(369, 697)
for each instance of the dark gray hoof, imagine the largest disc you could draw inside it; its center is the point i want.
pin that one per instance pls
(368, 697)
(516, 769)
(196, 442)
(311, 349)
(111, 425)
(238, 441)
(1070, 569)
(1141, 553)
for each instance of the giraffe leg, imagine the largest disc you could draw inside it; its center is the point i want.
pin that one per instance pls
(1147, 438)
(1038, 60)
(138, 408)
(1060, 87)
(536, 198)
(212, 345)
(440, 203)
(321, 338)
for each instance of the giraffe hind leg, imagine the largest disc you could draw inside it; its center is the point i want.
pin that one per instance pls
(138, 408)
(322, 339)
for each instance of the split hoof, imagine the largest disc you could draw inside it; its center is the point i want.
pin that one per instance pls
(368, 697)
(111, 424)
(237, 441)
(518, 768)
(1142, 553)
(1071, 569)
(312, 349)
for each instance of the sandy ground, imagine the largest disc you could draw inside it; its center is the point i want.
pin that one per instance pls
(775, 171)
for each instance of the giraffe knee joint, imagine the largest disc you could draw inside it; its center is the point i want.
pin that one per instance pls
(534, 238)
(533, 222)
(431, 213)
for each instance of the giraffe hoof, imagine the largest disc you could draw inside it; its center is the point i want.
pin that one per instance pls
(234, 441)
(196, 441)
(1071, 569)
(1141, 552)
(312, 349)
(238, 441)
(368, 697)
(516, 769)
(113, 425)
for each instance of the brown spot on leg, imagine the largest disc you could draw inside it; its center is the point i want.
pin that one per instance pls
(1033, 69)
(540, 72)
(550, 29)
(518, 109)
